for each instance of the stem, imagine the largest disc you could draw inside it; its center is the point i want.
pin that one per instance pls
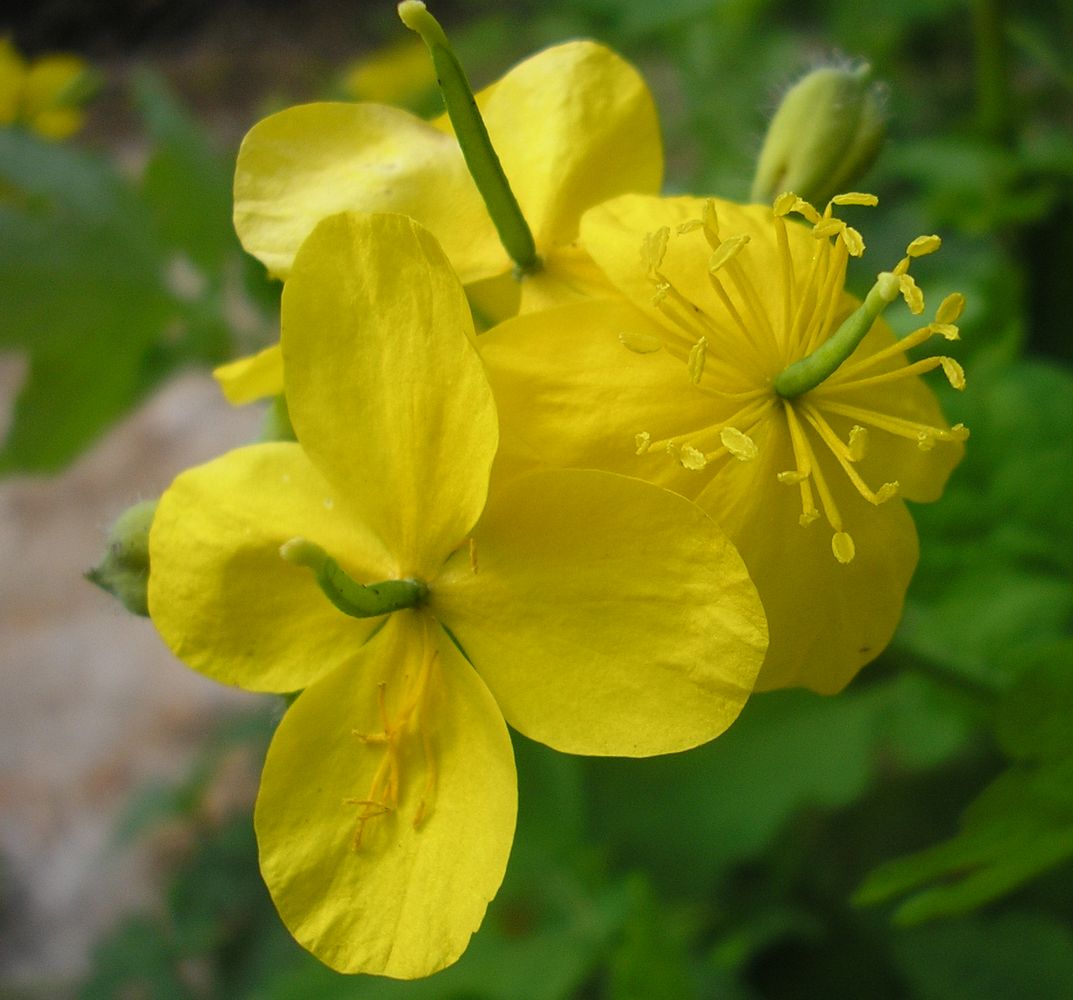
(472, 135)
(992, 77)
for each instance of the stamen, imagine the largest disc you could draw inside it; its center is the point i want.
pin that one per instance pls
(696, 360)
(844, 458)
(923, 245)
(740, 445)
(384, 790)
(639, 343)
(691, 458)
(925, 436)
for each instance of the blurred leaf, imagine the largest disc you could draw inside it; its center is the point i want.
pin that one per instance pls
(689, 816)
(652, 957)
(108, 285)
(187, 183)
(1022, 823)
(1014, 955)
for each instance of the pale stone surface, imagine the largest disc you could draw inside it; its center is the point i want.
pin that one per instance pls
(93, 706)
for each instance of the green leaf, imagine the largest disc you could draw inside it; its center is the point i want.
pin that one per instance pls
(186, 183)
(1013, 955)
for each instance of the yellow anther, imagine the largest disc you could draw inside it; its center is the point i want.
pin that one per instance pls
(923, 245)
(954, 372)
(654, 248)
(945, 330)
(639, 343)
(690, 227)
(710, 218)
(858, 442)
(843, 548)
(914, 297)
(642, 442)
(726, 252)
(808, 516)
(886, 491)
(926, 440)
(740, 445)
(792, 477)
(855, 198)
(697, 356)
(473, 554)
(803, 208)
(784, 204)
(950, 308)
(692, 458)
(828, 227)
(853, 240)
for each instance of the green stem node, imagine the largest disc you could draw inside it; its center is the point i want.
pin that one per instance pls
(472, 135)
(804, 375)
(353, 598)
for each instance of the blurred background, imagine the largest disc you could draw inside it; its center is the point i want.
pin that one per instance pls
(911, 837)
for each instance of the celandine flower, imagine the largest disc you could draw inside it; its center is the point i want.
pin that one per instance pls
(45, 95)
(699, 381)
(573, 126)
(596, 613)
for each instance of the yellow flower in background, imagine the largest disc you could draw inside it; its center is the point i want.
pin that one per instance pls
(677, 384)
(398, 74)
(45, 95)
(573, 126)
(596, 613)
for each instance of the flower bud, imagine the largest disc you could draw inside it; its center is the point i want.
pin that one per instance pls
(124, 570)
(825, 134)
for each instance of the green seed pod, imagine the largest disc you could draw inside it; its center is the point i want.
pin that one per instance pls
(825, 134)
(124, 570)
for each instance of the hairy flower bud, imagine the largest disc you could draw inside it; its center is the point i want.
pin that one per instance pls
(124, 570)
(825, 134)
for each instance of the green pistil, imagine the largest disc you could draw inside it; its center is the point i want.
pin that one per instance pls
(353, 598)
(804, 375)
(480, 155)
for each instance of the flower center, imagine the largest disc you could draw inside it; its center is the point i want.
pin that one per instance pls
(781, 351)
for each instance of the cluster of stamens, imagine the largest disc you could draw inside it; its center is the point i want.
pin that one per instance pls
(408, 722)
(742, 365)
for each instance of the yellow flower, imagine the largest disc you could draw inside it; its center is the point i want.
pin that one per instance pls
(44, 95)
(596, 613)
(573, 125)
(676, 383)
(398, 74)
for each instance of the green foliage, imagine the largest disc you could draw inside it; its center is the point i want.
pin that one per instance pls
(110, 284)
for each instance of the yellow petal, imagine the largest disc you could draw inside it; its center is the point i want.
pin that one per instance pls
(608, 616)
(405, 902)
(612, 233)
(570, 391)
(219, 592)
(573, 126)
(827, 619)
(311, 161)
(254, 377)
(385, 390)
